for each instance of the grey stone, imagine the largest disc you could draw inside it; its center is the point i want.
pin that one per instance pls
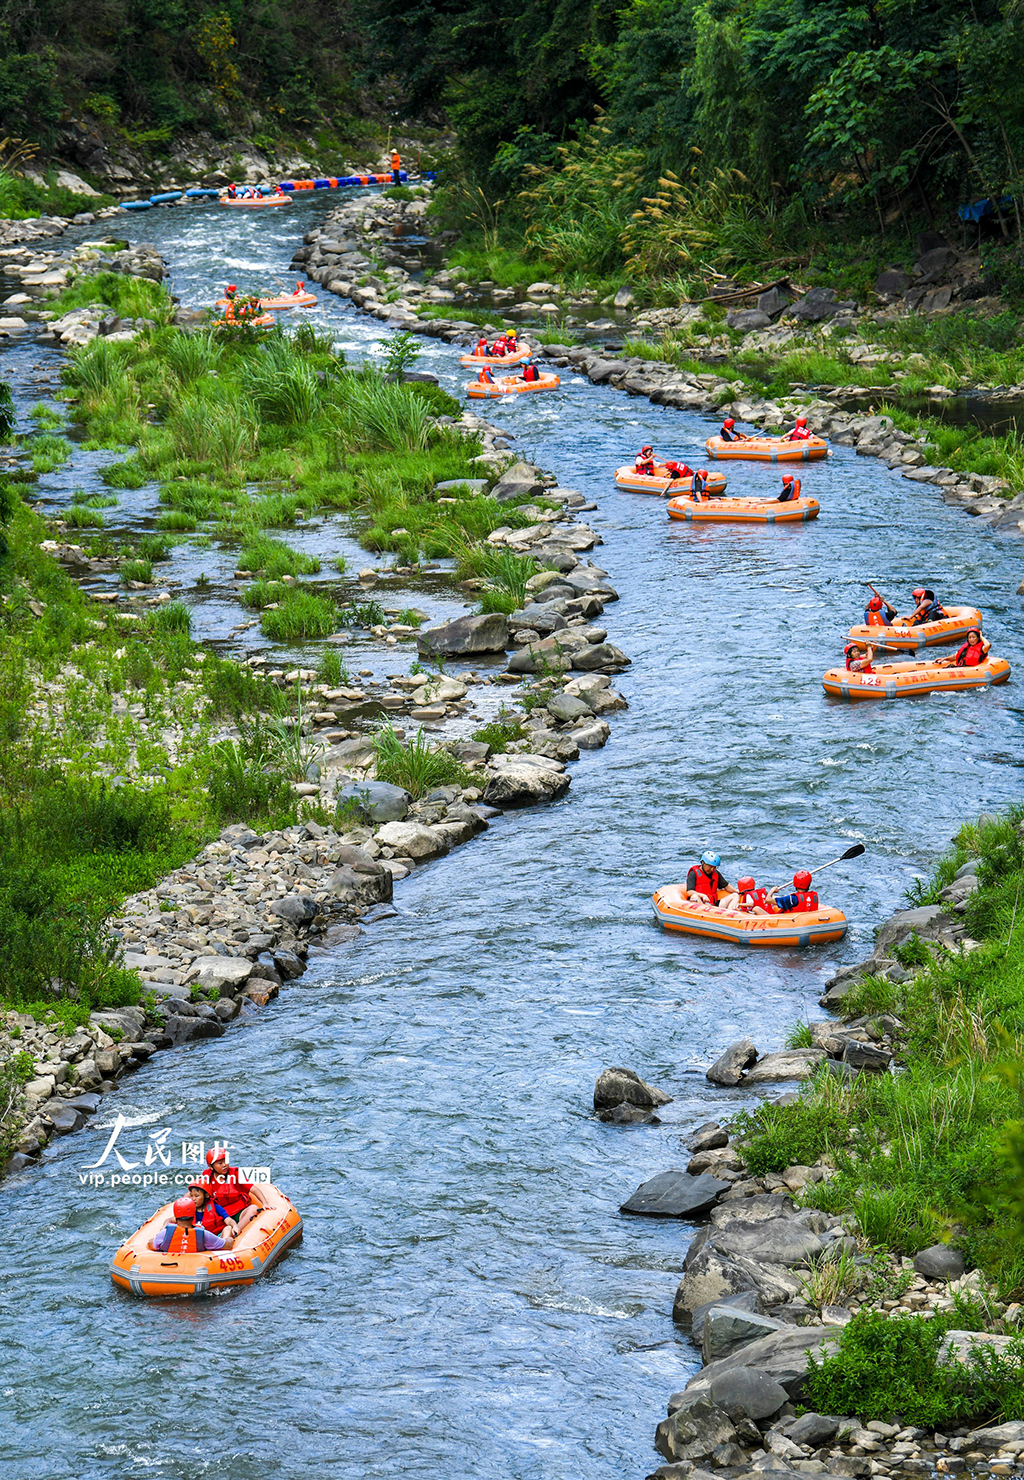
(748, 1300)
(998, 1435)
(694, 1432)
(814, 1429)
(709, 1138)
(288, 965)
(603, 656)
(375, 801)
(65, 1120)
(933, 263)
(747, 319)
(239, 835)
(628, 1115)
(179, 1029)
(599, 372)
(709, 1277)
(524, 786)
(928, 921)
(474, 485)
(675, 1195)
(781, 1356)
(773, 301)
(936, 300)
(866, 1056)
(624, 1087)
(215, 972)
(88, 1103)
(297, 909)
(940, 1262)
(790, 1063)
(412, 840)
(815, 306)
(567, 707)
(726, 1329)
(17, 1162)
(892, 282)
(728, 1069)
(471, 634)
(745, 1392)
(360, 886)
(781, 1241)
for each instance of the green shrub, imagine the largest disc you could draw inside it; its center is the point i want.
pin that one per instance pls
(127, 474)
(502, 732)
(889, 1369)
(137, 570)
(300, 614)
(242, 792)
(415, 764)
(775, 1137)
(437, 399)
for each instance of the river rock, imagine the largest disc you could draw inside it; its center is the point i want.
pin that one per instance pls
(928, 921)
(728, 1069)
(592, 736)
(773, 301)
(747, 1393)
(623, 1087)
(375, 801)
(781, 1356)
(521, 785)
(410, 840)
(675, 1195)
(215, 972)
(748, 1300)
(818, 304)
(892, 282)
(358, 885)
(694, 1432)
(471, 634)
(726, 1329)
(746, 319)
(776, 1241)
(814, 1429)
(866, 1056)
(961, 1346)
(297, 909)
(600, 655)
(288, 965)
(179, 1029)
(791, 1063)
(999, 1435)
(567, 707)
(940, 1262)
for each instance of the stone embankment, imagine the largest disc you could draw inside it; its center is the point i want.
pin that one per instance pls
(44, 275)
(766, 1283)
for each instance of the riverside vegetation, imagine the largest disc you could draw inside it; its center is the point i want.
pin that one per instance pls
(125, 747)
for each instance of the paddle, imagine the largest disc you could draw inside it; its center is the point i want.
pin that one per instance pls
(854, 852)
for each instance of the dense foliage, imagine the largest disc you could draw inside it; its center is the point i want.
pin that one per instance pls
(716, 114)
(155, 66)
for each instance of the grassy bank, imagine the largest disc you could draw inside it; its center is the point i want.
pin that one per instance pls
(113, 769)
(934, 1153)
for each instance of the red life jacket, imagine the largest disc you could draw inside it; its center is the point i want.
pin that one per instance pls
(799, 434)
(970, 655)
(851, 654)
(808, 899)
(761, 898)
(485, 377)
(793, 490)
(500, 347)
(875, 619)
(530, 372)
(706, 882)
(184, 1241)
(645, 465)
(232, 1194)
(211, 1219)
(481, 348)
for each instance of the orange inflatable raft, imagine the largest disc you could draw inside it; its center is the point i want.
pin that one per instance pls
(509, 385)
(260, 1244)
(901, 680)
(902, 638)
(661, 482)
(768, 449)
(742, 510)
(473, 362)
(283, 300)
(255, 201)
(693, 917)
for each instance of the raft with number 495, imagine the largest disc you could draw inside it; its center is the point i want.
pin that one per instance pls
(663, 481)
(698, 917)
(509, 385)
(768, 449)
(901, 637)
(144, 1271)
(742, 510)
(903, 680)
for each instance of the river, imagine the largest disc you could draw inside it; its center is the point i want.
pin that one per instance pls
(467, 1300)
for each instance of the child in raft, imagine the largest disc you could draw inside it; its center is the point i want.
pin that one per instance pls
(859, 656)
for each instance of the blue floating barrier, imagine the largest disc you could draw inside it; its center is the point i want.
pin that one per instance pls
(205, 194)
(287, 185)
(136, 205)
(165, 197)
(321, 184)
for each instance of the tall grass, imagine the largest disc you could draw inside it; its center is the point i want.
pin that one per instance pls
(192, 357)
(378, 414)
(299, 614)
(414, 764)
(273, 558)
(210, 428)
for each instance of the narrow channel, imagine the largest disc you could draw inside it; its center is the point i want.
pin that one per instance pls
(467, 1300)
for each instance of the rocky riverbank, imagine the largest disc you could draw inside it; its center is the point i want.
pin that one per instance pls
(768, 1282)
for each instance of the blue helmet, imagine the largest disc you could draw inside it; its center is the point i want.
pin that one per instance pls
(711, 858)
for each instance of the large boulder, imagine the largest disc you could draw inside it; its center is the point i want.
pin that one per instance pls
(411, 840)
(694, 1432)
(746, 1393)
(675, 1195)
(623, 1087)
(776, 1241)
(522, 785)
(222, 973)
(814, 1429)
(726, 1329)
(746, 319)
(791, 1063)
(472, 634)
(773, 301)
(748, 1300)
(781, 1356)
(708, 1278)
(999, 1435)
(373, 801)
(602, 657)
(940, 1262)
(818, 304)
(521, 480)
(296, 909)
(728, 1069)
(892, 282)
(927, 921)
(360, 879)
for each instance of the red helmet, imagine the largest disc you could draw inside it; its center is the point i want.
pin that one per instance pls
(729, 422)
(787, 477)
(801, 421)
(645, 450)
(702, 472)
(917, 593)
(216, 1154)
(875, 604)
(184, 1207)
(801, 879)
(744, 885)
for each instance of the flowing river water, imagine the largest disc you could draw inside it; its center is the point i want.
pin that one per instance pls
(468, 1301)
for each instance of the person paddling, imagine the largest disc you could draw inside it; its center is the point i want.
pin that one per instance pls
(703, 881)
(801, 897)
(927, 608)
(729, 432)
(859, 656)
(790, 489)
(799, 432)
(530, 371)
(183, 1236)
(878, 612)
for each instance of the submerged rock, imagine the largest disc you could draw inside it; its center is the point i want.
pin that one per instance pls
(624, 1087)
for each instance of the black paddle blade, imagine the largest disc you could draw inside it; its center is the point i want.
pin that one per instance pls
(855, 851)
